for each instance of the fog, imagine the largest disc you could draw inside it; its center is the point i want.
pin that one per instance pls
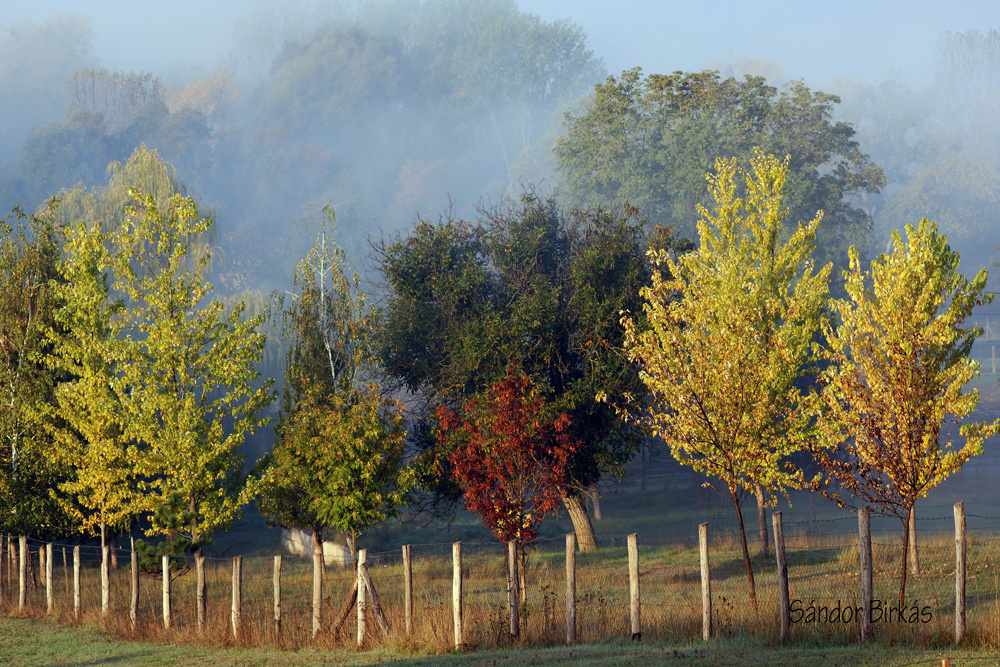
(393, 110)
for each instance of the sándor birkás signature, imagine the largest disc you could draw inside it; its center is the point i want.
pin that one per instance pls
(880, 612)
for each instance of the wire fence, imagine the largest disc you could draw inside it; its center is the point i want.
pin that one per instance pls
(823, 559)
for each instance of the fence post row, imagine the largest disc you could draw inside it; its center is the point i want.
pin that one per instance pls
(362, 606)
(277, 595)
(456, 591)
(865, 540)
(76, 582)
(635, 604)
(133, 607)
(49, 592)
(706, 584)
(200, 593)
(22, 572)
(779, 554)
(959, 572)
(166, 591)
(513, 594)
(317, 605)
(571, 588)
(407, 589)
(237, 594)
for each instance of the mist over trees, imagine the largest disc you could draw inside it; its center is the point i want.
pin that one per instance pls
(397, 112)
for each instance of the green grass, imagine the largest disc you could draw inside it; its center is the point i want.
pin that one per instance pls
(31, 642)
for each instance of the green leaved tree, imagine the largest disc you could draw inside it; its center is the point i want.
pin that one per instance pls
(339, 458)
(188, 368)
(729, 334)
(88, 416)
(898, 363)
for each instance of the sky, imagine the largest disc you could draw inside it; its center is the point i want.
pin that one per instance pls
(817, 41)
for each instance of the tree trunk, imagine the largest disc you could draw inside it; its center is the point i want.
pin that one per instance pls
(761, 521)
(581, 522)
(595, 500)
(752, 589)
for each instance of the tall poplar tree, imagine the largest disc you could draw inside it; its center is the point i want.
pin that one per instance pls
(729, 335)
(189, 367)
(898, 363)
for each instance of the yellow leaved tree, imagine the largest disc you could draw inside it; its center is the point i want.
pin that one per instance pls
(897, 365)
(729, 332)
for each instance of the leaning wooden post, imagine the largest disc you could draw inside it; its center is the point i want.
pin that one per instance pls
(959, 572)
(635, 604)
(865, 540)
(133, 607)
(22, 573)
(456, 591)
(166, 591)
(65, 569)
(200, 593)
(779, 553)
(76, 582)
(408, 589)
(513, 595)
(362, 599)
(41, 563)
(277, 595)
(49, 592)
(317, 606)
(237, 595)
(706, 584)
(571, 588)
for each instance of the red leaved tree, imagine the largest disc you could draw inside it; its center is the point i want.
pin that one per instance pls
(512, 456)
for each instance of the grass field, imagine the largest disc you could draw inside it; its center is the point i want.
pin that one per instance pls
(34, 642)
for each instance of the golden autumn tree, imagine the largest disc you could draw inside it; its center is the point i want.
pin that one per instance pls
(730, 328)
(898, 362)
(88, 414)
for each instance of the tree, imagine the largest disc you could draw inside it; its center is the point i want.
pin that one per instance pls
(28, 271)
(529, 285)
(898, 362)
(729, 335)
(88, 415)
(189, 370)
(513, 461)
(339, 458)
(649, 140)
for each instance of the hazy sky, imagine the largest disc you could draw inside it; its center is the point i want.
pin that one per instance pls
(814, 40)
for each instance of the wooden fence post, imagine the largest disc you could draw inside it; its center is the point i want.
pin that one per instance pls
(408, 589)
(76, 582)
(65, 570)
(237, 595)
(49, 592)
(2, 563)
(571, 588)
(41, 563)
(865, 540)
(706, 584)
(317, 606)
(277, 595)
(105, 582)
(22, 573)
(959, 572)
(911, 527)
(513, 595)
(133, 607)
(166, 591)
(200, 591)
(456, 591)
(779, 552)
(635, 604)
(362, 599)
(376, 606)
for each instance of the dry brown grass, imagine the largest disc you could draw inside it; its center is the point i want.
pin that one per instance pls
(823, 571)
